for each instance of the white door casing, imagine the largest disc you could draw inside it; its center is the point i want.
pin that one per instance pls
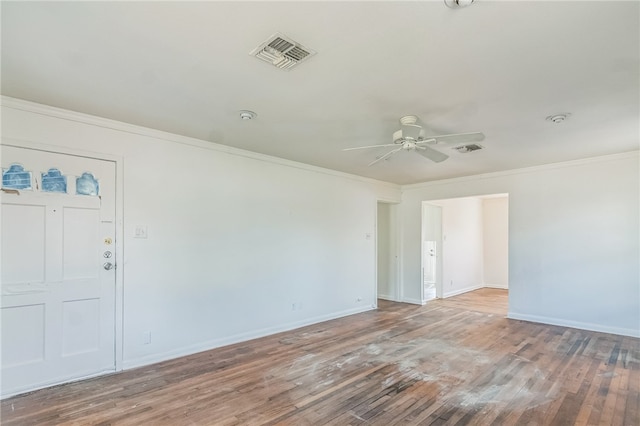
(58, 300)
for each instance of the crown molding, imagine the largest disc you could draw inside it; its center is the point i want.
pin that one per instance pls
(525, 170)
(64, 114)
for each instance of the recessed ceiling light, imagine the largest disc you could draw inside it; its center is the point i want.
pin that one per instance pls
(558, 118)
(457, 4)
(248, 115)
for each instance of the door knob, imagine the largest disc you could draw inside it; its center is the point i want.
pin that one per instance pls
(108, 266)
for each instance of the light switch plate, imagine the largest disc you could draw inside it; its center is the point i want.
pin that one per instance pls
(140, 231)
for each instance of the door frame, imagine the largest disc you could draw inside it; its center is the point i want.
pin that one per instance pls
(440, 284)
(394, 249)
(119, 230)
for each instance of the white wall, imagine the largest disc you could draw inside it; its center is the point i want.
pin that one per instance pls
(234, 238)
(383, 239)
(495, 248)
(574, 256)
(462, 245)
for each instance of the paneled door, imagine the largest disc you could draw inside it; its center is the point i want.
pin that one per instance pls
(58, 268)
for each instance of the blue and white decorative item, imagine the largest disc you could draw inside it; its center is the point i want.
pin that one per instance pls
(87, 185)
(54, 181)
(16, 178)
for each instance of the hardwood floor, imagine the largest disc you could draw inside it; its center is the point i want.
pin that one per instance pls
(453, 361)
(487, 300)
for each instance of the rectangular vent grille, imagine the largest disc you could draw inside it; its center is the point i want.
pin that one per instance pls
(463, 149)
(297, 54)
(282, 52)
(281, 45)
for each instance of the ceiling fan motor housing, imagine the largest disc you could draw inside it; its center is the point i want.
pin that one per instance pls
(399, 138)
(409, 119)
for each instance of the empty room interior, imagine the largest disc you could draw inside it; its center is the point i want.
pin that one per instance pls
(308, 213)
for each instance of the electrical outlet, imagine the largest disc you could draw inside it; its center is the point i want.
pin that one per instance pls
(146, 338)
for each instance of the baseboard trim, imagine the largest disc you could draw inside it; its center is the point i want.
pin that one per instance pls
(461, 291)
(238, 338)
(501, 286)
(412, 301)
(575, 324)
(385, 297)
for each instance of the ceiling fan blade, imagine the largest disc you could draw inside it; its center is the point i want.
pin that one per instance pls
(411, 131)
(384, 156)
(431, 154)
(459, 137)
(370, 146)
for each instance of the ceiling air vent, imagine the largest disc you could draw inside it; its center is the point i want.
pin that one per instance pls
(282, 52)
(463, 149)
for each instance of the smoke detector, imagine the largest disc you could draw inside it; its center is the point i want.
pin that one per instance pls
(282, 52)
(558, 118)
(457, 4)
(247, 115)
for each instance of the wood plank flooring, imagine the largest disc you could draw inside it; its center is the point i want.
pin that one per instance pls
(452, 362)
(487, 300)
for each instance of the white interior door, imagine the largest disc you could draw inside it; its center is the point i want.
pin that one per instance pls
(58, 272)
(431, 243)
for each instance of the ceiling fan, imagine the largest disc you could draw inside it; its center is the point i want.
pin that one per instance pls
(412, 137)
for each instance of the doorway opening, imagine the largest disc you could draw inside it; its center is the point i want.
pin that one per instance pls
(465, 245)
(387, 252)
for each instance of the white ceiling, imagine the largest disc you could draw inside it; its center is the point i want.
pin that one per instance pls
(495, 67)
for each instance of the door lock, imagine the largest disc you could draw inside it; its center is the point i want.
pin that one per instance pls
(107, 254)
(108, 266)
